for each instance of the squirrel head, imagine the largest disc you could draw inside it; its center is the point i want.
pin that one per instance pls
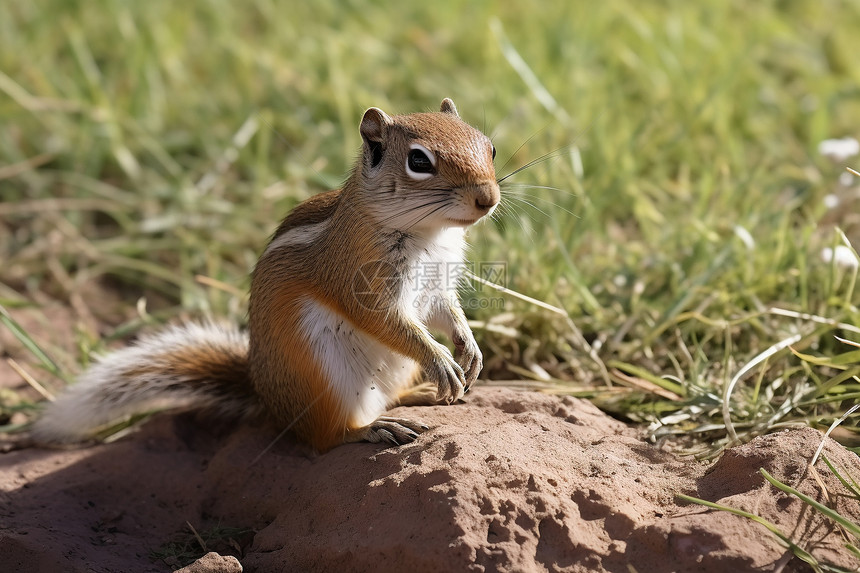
(426, 171)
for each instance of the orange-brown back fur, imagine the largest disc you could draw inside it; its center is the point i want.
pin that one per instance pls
(282, 367)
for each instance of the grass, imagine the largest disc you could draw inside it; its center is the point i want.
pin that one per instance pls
(676, 227)
(849, 530)
(189, 545)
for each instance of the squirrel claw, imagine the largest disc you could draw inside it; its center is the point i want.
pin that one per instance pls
(396, 431)
(386, 436)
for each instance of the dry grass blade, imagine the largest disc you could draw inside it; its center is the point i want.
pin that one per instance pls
(846, 341)
(220, 285)
(14, 170)
(30, 380)
(760, 358)
(644, 385)
(197, 537)
(830, 430)
(515, 294)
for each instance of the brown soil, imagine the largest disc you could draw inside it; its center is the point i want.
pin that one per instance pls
(510, 481)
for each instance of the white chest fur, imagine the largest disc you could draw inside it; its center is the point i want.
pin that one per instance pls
(365, 375)
(435, 273)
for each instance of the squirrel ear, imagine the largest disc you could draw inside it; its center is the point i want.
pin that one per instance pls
(449, 107)
(374, 124)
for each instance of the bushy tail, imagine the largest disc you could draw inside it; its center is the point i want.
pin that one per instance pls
(199, 365)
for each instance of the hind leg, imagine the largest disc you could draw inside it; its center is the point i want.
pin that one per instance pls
(399, 431)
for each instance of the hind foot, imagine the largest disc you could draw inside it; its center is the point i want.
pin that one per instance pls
(397, 431)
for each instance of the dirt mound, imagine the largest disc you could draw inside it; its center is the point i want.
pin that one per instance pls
(510, 481)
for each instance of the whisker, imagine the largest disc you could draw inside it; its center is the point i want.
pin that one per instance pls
(417, 211)
(510, 213)
(546, 157)
(522, 198)
(413, 208)
(419, 215)
(528, 186)
(532, 205)
(432, 212)
(523, 144)
(552, 154)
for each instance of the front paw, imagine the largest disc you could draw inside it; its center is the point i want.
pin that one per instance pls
(448, 376)
(468, 356)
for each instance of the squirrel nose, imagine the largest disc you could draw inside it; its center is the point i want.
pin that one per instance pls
(486, 199)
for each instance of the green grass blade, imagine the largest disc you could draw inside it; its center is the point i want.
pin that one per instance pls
(30, 344)
(823, 509)
(798, 551)
(838, 361)
(850, 486)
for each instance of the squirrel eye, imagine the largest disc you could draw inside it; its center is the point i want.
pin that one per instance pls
(494, 152)
(418, 162)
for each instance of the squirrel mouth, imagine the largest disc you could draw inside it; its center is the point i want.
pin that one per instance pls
(463, 222)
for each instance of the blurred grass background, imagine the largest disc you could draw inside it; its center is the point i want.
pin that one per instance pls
(683, 199)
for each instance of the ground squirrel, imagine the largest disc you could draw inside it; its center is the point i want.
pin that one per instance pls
(340, 310)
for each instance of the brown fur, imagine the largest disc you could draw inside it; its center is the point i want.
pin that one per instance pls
(291, 386)
(313, 210)
(390, 214)
(220, 369)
